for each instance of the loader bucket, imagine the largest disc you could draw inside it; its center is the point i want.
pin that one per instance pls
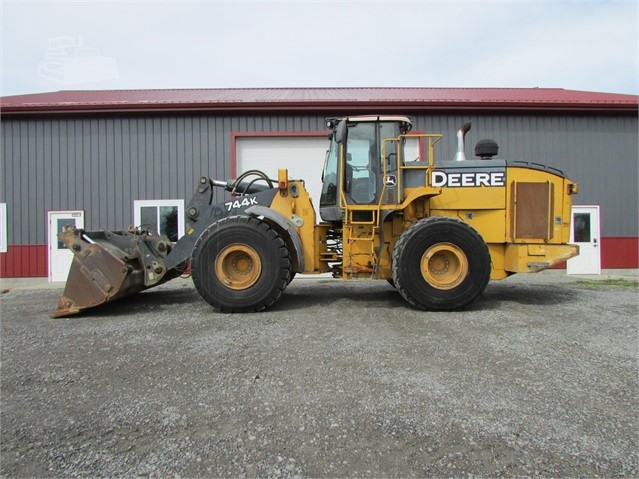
(109, 265)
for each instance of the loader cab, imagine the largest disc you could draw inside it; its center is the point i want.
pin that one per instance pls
(359, 162)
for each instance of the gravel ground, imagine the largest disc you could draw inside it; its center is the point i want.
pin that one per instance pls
(538, 378)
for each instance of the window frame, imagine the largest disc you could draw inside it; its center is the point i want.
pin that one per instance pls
(4, 224)
(139, 204)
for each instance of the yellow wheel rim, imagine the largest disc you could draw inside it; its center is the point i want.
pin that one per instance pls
(238, 266)
(444, 266)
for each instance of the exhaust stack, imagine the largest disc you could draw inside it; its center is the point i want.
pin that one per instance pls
(461, 133)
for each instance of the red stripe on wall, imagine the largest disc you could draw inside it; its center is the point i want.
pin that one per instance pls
(24, 261)
(31, 261)
(619, 253)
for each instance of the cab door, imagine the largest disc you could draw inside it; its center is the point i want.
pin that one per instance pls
(362, 165)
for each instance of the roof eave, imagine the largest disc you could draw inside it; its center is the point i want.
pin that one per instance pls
(280, 106)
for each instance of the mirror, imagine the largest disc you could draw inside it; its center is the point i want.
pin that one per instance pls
(341, 132)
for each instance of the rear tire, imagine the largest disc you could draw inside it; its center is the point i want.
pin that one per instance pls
(240, 265)
(441, 264)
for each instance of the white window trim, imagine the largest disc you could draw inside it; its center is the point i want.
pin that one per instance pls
(3, 227)
(138, 204)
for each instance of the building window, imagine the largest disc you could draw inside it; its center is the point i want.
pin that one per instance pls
(3, 227)
(164, 216)
(581, 227)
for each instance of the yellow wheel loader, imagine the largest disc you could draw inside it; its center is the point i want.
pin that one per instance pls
(437, 232)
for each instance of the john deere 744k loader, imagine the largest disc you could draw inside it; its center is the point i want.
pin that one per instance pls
(437, 232)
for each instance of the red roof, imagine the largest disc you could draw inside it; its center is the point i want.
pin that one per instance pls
(297, 99)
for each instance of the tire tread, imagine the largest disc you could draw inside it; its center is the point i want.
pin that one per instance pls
(442, 223)
(241, 222)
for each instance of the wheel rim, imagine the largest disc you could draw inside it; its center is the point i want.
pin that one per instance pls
(444, 266)
(238, 266)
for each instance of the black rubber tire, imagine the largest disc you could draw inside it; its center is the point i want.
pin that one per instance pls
(268, 251)
(410, 256)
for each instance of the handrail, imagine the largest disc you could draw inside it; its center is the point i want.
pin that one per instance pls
(432, 139)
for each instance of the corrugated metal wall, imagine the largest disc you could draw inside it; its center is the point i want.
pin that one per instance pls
(601, 153)
(103, 164)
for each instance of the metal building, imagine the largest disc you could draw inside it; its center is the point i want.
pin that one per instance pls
(109, 159)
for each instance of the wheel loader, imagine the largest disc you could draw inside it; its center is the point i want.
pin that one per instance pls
(437, 232)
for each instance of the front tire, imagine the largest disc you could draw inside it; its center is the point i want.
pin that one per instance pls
(240, 265)
(441, 264)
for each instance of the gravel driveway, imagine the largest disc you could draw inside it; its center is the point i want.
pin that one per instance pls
(538, 378)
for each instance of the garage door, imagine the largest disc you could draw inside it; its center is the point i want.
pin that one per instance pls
(303, 156)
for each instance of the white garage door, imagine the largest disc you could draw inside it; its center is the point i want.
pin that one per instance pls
(303, 156)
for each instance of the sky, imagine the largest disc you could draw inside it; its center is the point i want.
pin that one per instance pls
(575, 45)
